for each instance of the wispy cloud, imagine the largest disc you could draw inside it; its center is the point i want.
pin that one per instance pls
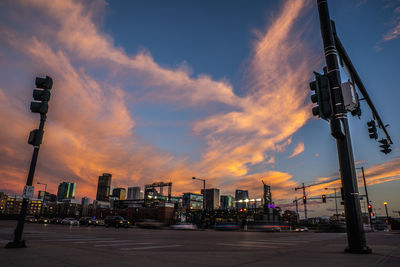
(394, 23)
(297, 150)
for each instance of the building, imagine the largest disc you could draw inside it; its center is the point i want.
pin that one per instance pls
(134, 193)
(85, 201)
(103, 187)
(46, 196)
(227, 202)
(119, 193)
(212, 199)
(191, 201)
(3, 202)
(241, 198)
(66, 190)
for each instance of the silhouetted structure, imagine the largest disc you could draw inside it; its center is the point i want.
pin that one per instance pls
(103, 187)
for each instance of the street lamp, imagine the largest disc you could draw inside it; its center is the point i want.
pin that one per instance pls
(337, 214)
(387, 215)
(204, 191)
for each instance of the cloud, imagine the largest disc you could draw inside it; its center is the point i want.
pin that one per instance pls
(297, 150)
(394, 22)
(91, 128)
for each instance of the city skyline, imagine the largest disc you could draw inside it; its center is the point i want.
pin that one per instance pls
(213, 90)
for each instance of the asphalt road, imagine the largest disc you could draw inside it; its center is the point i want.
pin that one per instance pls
(59, 245)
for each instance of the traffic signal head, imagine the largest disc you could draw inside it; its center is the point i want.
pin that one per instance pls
(385, 145)
(372, 129)
(324, 198)
(370, 208)
(41, 97)
(44, 83)
(304, 199)
(321, 97)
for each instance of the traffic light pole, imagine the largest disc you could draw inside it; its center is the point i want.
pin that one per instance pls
(340, 130)
(18, 242)
(366, 193)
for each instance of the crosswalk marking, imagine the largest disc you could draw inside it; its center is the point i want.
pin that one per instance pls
(246, 245)
(152, 247)
(122, 244)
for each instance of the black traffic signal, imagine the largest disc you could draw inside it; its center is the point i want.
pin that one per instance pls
(372, 130)
(41, 97)
(369, 208)
(324, 198)
(321, 97)
(385, 145)
(304, 199)
(35, 137)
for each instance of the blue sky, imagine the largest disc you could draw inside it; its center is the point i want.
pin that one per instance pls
(153, 90)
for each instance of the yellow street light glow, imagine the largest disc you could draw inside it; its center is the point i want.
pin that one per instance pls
(385, 203)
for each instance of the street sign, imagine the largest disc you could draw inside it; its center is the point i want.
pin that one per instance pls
(28, 191)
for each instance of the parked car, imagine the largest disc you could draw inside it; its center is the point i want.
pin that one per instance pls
(55, 220)
(302, 229)
(31, 219)
(87, 221)
(100, 222)
(44, 220)
(116, 221)
(70, 221)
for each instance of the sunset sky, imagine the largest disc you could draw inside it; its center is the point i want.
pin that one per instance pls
(166, 90)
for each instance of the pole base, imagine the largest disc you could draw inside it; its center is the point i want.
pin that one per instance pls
(364, 250)
(13, 244)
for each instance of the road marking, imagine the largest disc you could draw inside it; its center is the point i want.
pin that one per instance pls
(122, 244)
(103, 241)
(152, 247)
(74, 239)
(246, 245)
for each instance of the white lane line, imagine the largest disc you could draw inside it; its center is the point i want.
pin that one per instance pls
(283, 241)
(74, 239)
(152, 247)
(122, 244)
(270, 243)
(103, 241)
(246, 245)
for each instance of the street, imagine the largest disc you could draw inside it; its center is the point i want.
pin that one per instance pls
(60, 245)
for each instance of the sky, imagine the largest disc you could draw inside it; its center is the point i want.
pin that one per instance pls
(166, 90)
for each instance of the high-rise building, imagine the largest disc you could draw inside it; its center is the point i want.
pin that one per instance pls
(103, 187)
(242, 198)
(227, 202)
(212, 198)
(119, 193)
(134, 193)
(66, 190)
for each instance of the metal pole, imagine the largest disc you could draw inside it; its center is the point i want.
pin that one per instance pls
(18, 242)
(305, 204)
(387, 215)
(366, 193)
(204, 196)
(340, 130)
(337, 213)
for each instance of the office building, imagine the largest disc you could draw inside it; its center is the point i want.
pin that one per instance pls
(192, 201)
(119, 193)
(227, 202)
(212, 198)
(103, 187)
(66, 190)
(241, 198)
(134, 193)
